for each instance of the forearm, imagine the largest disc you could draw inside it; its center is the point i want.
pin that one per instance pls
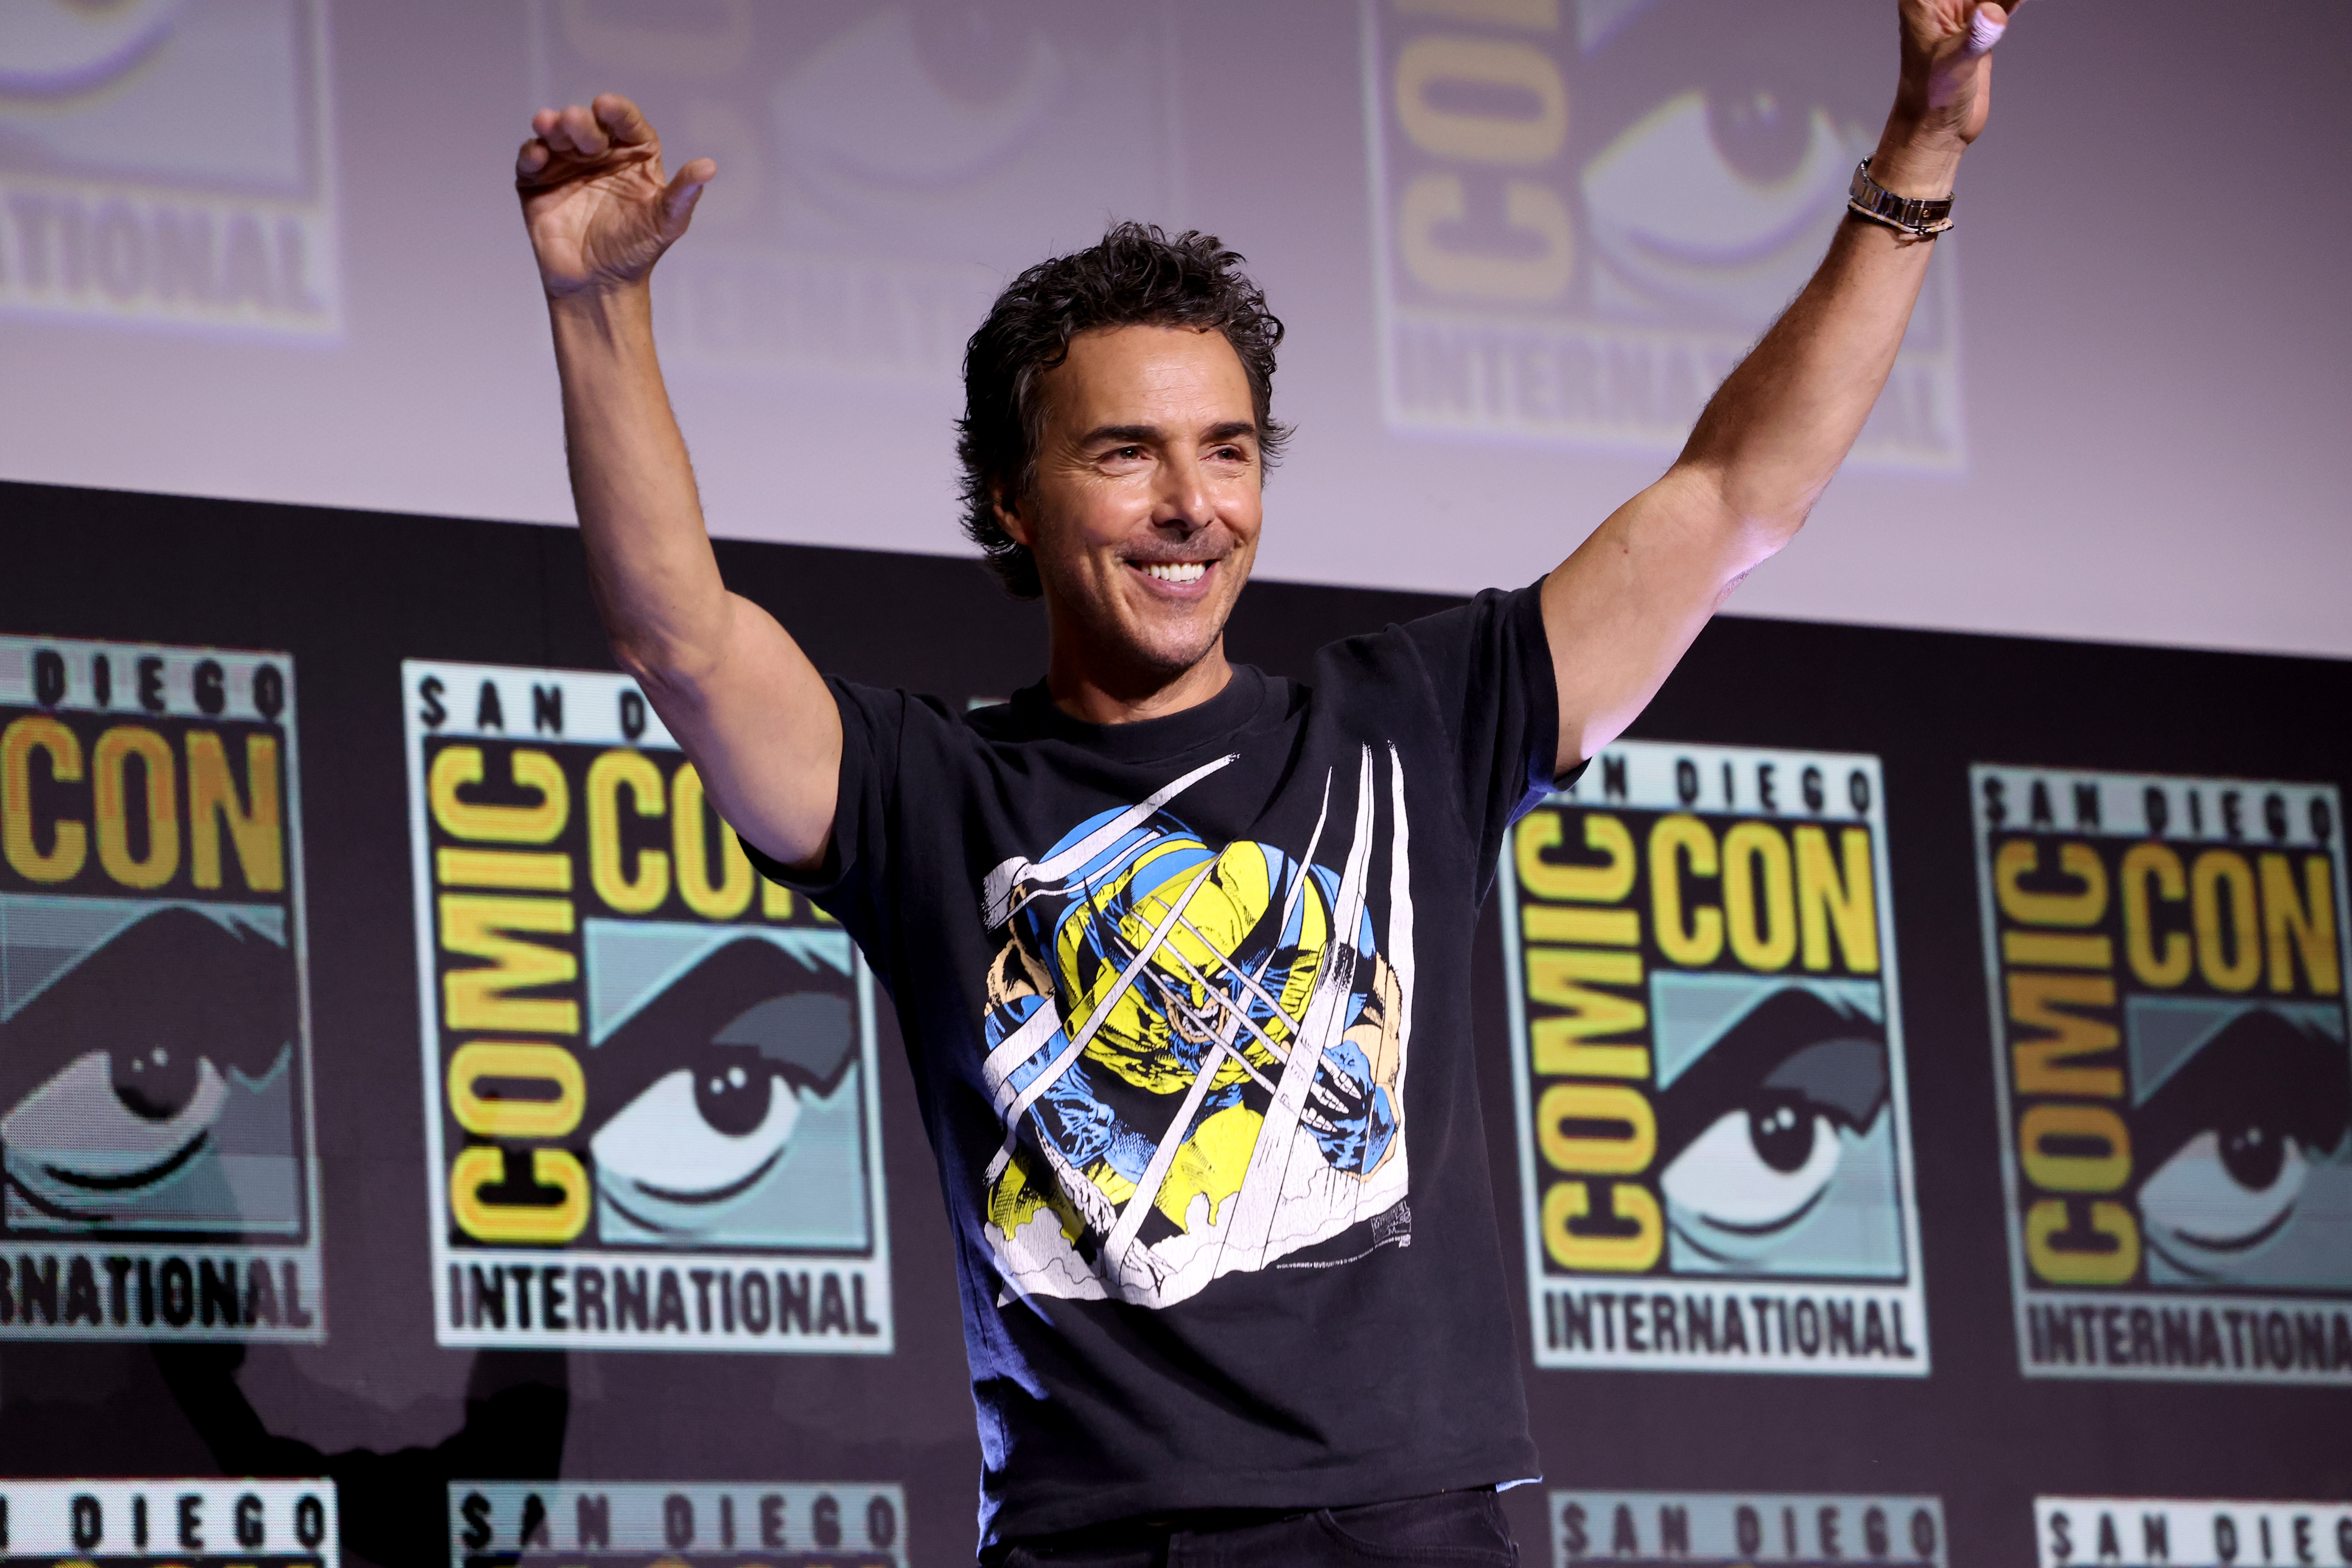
(1776, 430)
(1621, 609)
(733, 688)
(657, 582)
(1624, 608)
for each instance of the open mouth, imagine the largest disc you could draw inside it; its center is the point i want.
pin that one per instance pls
(1175, 573)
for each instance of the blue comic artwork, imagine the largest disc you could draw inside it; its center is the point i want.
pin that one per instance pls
(1197, 1050)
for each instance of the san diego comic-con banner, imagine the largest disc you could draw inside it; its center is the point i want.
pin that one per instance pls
(652, 1111)
(186, 1523)
(1737, 1530)
(2173, 1532)
(2167, 957)
(1714, 1140)
(677, 1524)
(156, 1143)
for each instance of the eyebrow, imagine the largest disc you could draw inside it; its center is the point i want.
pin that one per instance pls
(1147, 435)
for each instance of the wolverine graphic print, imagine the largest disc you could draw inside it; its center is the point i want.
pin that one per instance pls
(1198, 1052)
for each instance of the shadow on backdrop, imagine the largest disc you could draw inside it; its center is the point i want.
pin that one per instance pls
(394, 1507)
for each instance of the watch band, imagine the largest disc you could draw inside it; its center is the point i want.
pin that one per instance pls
(1920, 217)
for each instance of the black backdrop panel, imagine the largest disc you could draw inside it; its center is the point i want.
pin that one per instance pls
(393, 1419)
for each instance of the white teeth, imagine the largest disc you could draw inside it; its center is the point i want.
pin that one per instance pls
(1171, 572)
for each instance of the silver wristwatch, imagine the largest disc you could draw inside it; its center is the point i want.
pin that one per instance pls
(1920, 217)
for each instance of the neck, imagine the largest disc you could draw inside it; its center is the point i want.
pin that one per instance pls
(1100, 691)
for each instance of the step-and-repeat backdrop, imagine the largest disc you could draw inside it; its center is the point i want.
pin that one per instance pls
(1915, 1068)
(1517, 243)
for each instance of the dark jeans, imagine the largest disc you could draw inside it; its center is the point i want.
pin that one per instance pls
(1463, 1528)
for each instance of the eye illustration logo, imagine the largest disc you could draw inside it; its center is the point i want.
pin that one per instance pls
(927, 113)
(2243, 1135)
(53, 48)
(723, 1106)
(1772, 1140)
(139, 1069)
(889, 165)
(1760, 184)
(1714, 180)
(148, 1079)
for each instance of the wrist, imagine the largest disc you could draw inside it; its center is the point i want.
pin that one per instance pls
(1912, 160)
(602, 308)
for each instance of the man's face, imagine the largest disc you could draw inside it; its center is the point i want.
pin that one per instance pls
(1144, 518)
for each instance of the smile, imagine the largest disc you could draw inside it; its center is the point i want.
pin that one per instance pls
(1179, 573)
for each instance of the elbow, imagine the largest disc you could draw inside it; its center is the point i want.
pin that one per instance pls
(1758, 536)
(1755, 516)
(670, 651)
(669, 674)
(1743, 529)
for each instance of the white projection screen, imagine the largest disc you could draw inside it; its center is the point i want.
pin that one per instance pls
(268, 249)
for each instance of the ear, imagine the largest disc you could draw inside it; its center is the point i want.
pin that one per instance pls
(1007, 507)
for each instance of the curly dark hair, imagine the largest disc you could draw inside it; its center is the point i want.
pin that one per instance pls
(1136, 276)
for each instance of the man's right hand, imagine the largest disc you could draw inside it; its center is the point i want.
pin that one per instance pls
(735, 689)
(599, 213)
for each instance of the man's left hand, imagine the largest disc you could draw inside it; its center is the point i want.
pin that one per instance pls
(1947, 82)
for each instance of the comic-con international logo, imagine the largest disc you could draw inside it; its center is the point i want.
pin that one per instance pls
(186, 1523)
(2171, 1532)
(128, 195)
(634, 1524)
(1714, 1148)
(652, 1107)
(1585, 211)
(1741, 1529)
(2166, 959)
(888, 165)
(155, 1125)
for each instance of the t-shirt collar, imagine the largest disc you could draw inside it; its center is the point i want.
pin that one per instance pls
(1035, 716)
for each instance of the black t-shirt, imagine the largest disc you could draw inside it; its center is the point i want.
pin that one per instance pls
(1238, 1249)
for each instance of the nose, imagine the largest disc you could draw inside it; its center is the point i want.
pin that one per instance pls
(1183, 505)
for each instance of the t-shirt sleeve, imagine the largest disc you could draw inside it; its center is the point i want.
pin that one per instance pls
(1488, 664)
(850, 883)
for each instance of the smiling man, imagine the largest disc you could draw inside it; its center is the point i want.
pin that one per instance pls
(1182, 952)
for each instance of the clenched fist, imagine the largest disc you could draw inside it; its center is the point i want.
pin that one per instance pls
(594, 199)
(1947, 86)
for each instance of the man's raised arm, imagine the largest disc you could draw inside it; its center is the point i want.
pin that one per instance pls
(1621, 610)
(736, 691)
